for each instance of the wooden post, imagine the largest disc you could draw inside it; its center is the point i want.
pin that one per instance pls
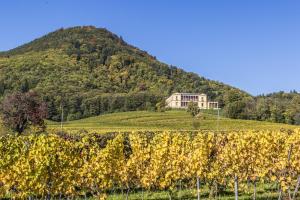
(180, 190)
(280, 194)
(254, 192)
(62, 117)
(198, 188)
(296, 188)
(218, 122)
(236, 187)
(289, 159)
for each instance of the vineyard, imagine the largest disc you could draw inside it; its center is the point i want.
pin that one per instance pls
(101, 165)
(163, 121)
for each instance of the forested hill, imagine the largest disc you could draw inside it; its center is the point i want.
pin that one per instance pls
(92, 71)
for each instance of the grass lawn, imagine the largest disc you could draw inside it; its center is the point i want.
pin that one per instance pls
(169, 120)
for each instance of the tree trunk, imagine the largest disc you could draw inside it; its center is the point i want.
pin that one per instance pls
(216, 190)
(127, 194)
(170, 195)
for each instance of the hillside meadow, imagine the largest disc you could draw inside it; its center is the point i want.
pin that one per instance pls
(172, 120)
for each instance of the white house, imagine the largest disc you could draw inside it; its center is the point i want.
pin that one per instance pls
(181, 100)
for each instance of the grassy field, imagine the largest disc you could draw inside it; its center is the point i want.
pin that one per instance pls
(169, 120)
(263, 192)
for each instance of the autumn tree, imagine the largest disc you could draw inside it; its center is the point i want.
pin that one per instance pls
(20, 110)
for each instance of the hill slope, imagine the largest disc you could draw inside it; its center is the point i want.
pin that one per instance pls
(92, 71)
(169, 120)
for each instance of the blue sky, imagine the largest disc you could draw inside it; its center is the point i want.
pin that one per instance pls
(253, 45)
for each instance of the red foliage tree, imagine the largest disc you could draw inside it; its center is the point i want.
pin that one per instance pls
(20, 110)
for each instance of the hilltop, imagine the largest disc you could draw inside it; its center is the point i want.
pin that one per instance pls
(89, 71)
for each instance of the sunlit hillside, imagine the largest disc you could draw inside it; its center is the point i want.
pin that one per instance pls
(169, 120)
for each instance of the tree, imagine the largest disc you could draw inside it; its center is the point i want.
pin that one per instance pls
(193, 109)
(262, 109)
(19, 110)
(232, 96)
(277, 112)
(2, 87)
(161, 106)
(53, 112)
(234, 109)
(24, 86)
(249, 111)
(297, 119)
(292, 110)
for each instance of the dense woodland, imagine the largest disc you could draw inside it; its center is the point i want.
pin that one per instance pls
(276, 107)
(87, 71)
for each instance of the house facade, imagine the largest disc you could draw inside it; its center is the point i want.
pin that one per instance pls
(181, 100)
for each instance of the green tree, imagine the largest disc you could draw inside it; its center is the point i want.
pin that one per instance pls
(53, 113)
(161, 106)
(262, 108)
(193, 109)
(24, 86)
(2, 88)
(296, 119)
(235, 109)
(293, 110)
(277, 112)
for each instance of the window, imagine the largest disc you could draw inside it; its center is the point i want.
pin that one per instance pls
(202, 105)
(184, 104)
(176, 98)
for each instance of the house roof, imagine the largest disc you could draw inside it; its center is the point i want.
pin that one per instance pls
(177, 93)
